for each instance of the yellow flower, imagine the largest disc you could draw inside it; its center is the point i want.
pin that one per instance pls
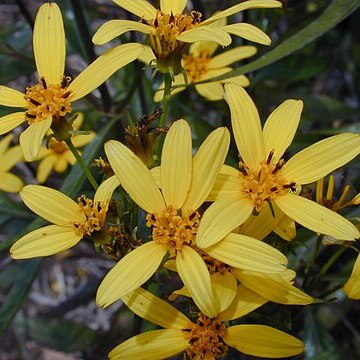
(206, 338)
(57, 155)
(201, 65)
(72, 221)
(265, 178)
(172, 215)
(352, 286)
(8, 158)
(170, 28)
(49, 101)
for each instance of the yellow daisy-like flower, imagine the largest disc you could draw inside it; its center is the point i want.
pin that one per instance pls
(170, 28)
(265, 178)
(57, 155)
(206, 338)
(72, 221)
(48, 102)
(174, 220)
(8, 158)
(201, 65)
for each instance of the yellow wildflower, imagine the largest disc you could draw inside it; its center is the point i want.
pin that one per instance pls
(72, 221)
(170, 28)
(265, 178)
(205, 338)
(57, 155)
(48, 102)
(8, 158)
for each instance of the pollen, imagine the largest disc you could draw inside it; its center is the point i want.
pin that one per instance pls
(196, 66)
(167, 28)
(94, 216)
(48, 99)
(206, 338)
(173, 229)
(266, 184)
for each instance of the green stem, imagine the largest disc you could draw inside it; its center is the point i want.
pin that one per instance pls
(82, 164)
(326, 267)
(312, 260)
(165, 109)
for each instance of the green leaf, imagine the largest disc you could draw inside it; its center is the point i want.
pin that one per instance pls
(29, 269)
(337, 11)
(58, 334)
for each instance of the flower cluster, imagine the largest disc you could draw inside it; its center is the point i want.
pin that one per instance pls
(168, 205)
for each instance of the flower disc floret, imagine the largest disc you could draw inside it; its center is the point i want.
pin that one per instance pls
(48, 99)
(266, 184)
(167, 28)
(206, 338)
(94, 214)
(196, 66)
(173, 229)
(215, 266)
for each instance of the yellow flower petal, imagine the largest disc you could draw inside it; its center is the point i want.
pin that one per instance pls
(173, 6)
(176, 164)
(49, 43)
(81, 140)
(263, 341)
(245, 302)
(150, 307)
(352, 286)
(10, 158)
(134, 176)
(61, 164)
(114, 28)
(224, 287)
(211, 91)
(201, 47)
(11, 97)
(248, 32)
(140, 8)
(228, 57)
(45, 167)
(178, 80)
(4, 144)
(285, 228)
(253, 4)
(207, 163)
(52, 205)
(260, 225)
(147, 56)
(130, 273)
(244, 252)
(227, 182)
(103, 67)
(316, 217)
(280, 128)
(321, 158)
(274, 288)
(222, 217)
(241, 80)
(106, 189)
(205, 33)
(157, 344)
(10, 182)
(45, 241)
(32, 137)
(246, 126)
(195, 276)
(11, 121)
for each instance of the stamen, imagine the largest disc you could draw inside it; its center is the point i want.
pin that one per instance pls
(43, 83)
(271, 154)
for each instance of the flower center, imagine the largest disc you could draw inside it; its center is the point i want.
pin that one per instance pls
(172, 229)
(206, 338)
(48, 99)
(214, 265)
(265, 185)
(95, 216)
(167, 28)
(196, 66)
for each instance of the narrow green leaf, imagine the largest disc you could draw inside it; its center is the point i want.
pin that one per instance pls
(337, 11)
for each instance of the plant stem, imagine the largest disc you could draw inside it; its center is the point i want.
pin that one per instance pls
(311, 260)
(82, 164)
(165, 109)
